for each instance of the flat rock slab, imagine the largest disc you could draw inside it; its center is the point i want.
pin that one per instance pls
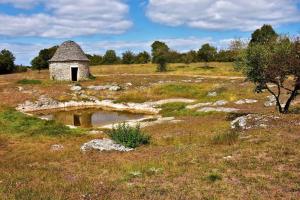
(245, 101)
(103, 145)
(218, 109)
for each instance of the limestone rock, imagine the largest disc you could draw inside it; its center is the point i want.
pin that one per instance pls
(220, 103)
(76, 88)
(245, 101)
(103, 145)
(218, 109)
(212, 94)
(105, 87)
(271, 101)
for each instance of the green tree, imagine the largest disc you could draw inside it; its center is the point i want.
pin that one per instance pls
(174, 57)
(160, 53)
(143, 58)
(95, 59)
(264, 35)
(207, 53)
(159, 48)
(128, 57)
(7, 60)
(225, 56)
(162, 61)
(110, 58)
(42, 60)
(190, 57)
(276, 63)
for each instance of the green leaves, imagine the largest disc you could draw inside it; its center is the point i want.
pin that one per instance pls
(128, 136)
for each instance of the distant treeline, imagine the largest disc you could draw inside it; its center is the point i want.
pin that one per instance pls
(161, 54)
(207, 53)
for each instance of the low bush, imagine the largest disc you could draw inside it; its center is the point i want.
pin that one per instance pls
(213, 177)
(29, 82)
(227, 138)
(13, 122)
(128, 136)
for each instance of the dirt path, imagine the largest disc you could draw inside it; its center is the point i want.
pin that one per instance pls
(183, 75)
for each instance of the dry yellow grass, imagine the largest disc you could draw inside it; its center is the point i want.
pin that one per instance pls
(182, 161)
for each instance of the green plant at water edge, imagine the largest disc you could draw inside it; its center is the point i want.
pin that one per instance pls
(128, 136)
(13, 122)
(29, 82)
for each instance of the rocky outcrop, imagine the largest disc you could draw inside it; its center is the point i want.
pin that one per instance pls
(252, 121)
(144, 122)
(46, 103)
(103, 145)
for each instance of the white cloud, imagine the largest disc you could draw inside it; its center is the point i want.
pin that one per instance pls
(223, 14)
(66, 18)
(178, 44)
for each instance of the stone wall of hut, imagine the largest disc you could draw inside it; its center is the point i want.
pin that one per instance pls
(61, 71)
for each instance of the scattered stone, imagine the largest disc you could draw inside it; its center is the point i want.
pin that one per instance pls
(227, 157)
(212, 94)
(245, 101)
(20, 89)
(220, 103)
(105, 87)
(218, 109)
(199, 105)
(57, 147)
(128, 84)
(187, 81)
(95, 132)
(76, 88)
(103, 145)
(71, 126)
(271, 101)
(136, 173)
(252, 121)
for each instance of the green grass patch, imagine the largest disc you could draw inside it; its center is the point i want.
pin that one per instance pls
(179, 90)
(14, 122)
(228, 138)
(29, 82)
(128, 136)
(178, 109)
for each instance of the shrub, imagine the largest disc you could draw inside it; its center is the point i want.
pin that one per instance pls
(128, 136)
(227, 138)
(213, 177)
(29, 82)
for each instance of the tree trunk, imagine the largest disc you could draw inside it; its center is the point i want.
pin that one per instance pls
(292, 97)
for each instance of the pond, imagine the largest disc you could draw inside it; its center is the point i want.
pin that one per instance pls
(88, 118)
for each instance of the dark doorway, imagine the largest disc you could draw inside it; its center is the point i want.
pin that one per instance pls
(74, 73)
(77, 120)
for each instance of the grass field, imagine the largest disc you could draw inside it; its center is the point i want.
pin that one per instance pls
(200, 157)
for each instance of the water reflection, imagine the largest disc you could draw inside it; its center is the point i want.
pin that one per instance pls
(88, 118)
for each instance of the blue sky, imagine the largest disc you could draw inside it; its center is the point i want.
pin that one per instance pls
(26, 26)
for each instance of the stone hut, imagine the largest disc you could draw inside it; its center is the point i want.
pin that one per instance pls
(69, 63)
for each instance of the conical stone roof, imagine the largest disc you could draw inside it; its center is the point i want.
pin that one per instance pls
(69, 51)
